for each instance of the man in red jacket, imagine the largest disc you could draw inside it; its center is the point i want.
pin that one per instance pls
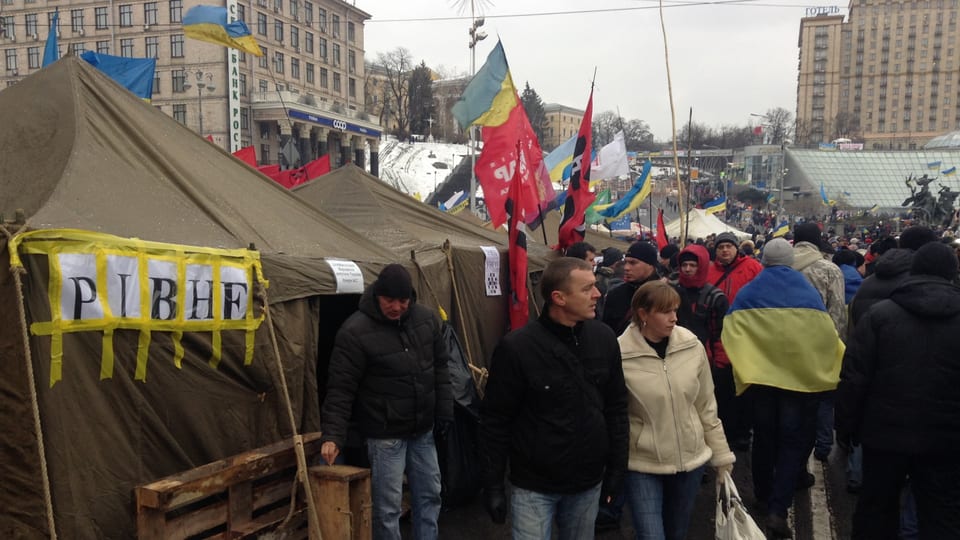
(729, 272)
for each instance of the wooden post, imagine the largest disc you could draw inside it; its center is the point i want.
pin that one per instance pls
(343, 501)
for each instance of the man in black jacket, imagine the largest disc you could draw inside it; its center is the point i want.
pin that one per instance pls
(388, 373)
(898, 398)
(556, 408)
(639, 266)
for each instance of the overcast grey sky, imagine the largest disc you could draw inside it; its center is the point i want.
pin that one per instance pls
(727, 58)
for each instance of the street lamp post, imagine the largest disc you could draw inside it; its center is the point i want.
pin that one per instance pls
(476, 35)
(210, 87)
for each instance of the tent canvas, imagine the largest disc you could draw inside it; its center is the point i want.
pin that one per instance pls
(413, 229)
(80, 152)
(702, 225)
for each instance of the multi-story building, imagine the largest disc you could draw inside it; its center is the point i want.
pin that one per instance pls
(888, 75)
(307, 88)
(562, 123)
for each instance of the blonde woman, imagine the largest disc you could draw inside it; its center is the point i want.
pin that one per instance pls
(674, 428)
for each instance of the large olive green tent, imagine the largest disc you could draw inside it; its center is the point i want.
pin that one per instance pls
(81, 153)
(447, 251)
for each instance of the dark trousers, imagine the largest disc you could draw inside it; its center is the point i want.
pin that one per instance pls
(784, 429)
(735, 412)
(935, 482)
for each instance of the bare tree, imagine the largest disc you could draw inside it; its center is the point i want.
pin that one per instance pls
(605, 126)
(846, 125)
(638, 136)
(780, 124)
(396, 66)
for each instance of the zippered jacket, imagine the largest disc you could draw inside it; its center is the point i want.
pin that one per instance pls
(672, 409)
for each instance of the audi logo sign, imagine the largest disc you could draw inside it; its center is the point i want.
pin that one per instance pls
(340, 124)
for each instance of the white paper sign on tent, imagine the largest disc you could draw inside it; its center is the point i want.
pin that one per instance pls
(491, 270)
(348, 275)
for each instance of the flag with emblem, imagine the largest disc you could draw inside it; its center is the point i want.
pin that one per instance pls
(514, 207)
(579, 196)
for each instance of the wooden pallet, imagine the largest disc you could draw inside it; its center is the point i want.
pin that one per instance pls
(242, 496)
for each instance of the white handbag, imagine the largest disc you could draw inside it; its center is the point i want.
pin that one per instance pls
(733, 521)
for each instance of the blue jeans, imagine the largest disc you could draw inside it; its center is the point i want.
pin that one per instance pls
(824, 424)
(534, 512)
(389, 458)
(855, 466)
(784, 429)
(661, 504)
(908, 515)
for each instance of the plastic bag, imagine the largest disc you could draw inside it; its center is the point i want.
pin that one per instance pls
(733, 521)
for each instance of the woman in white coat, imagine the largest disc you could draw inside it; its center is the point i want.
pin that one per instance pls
(674, 428)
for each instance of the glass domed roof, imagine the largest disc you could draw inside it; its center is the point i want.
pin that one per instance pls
(949, 140)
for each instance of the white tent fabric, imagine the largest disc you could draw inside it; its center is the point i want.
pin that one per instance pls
(703, 225)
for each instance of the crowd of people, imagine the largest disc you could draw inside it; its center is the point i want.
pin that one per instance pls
(648, 367)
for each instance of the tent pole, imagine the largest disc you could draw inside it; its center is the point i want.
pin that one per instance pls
(478, 372)
(34, 400)
(313, 523)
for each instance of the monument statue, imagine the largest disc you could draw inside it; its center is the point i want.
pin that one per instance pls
(929, 209)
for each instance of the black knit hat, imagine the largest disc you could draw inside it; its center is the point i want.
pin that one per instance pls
(935, 259)
(726, 236)
(643, 251)
(668, 251)
(393, 282)
(807, 232)
(916, 236)
(611, 256)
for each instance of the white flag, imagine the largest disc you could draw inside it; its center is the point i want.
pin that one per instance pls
(611, 160)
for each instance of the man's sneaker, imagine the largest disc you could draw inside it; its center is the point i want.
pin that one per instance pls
(777, 527)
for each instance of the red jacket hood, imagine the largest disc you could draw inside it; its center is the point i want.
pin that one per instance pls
(703, 267)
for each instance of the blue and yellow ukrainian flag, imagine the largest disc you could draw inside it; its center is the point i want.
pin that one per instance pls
(560, 160)
(760, 336)
(952, 171)
(770, 198)
(781, 229)
(823, 197)
(632, 199)
(134, 74)
(874, 209)
(933, 165)
(490, 96)
(209, 23)
(716, 205)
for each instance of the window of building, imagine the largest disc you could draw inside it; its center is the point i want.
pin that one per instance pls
(308, 42)
(352, 87)
(31, 20)
(156, 82)
(50, 22)
(324, 78)
(176, 46)
(262, 85)
(8, 26)
(323, 48)
(152, 46)
(278, 62)
(179, 78)
(33, 57)
(176, 11)
(180, 113)
(278, 30)
(244, 118)
(264, 154)
(126, 15)
(336, 54)
(351, 32)
(241, 12)
(76, 20)
(150, 13)
(322, 19)
(295, 68)
(262, 60)
(126, 48)
(243, 84)
(261, 23)
(310, 73)
(352, 60)
(78, 47)
(336, 83)
(308, 12)
(335, 25)
(294, 36)
(294, 9)
(103, 47)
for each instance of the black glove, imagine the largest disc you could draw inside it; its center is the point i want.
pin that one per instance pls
(496, 503)
(442, 426)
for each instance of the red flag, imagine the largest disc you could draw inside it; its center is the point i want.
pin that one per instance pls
(209, 138)
(317, 167)
(269, 170)
(758, 130)
(579, 196)
(514, 206)
(662, 239)
(248, 155)
(497, 165)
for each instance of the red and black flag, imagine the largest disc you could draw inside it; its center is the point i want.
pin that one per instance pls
(579, 196)
(662, 238)
(515, 209)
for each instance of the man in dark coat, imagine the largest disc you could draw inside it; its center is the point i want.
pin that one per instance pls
(898, 398)
(639, 266)
(388, 373)
(556, 409)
